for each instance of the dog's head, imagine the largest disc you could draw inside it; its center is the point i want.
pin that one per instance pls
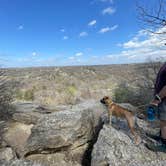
(106, 100)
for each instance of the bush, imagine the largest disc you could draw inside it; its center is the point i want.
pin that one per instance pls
(135, 95)
(24, 95)
(29, 95)
(123, 94)
(6, 95)
(19, 95)
(71, 90)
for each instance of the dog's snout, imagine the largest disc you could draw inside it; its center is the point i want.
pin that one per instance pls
(102, 101)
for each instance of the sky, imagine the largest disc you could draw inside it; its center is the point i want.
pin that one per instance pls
(74, 32)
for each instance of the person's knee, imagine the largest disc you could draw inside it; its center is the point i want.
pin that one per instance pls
(163, 128)
(163, 123)
(162, 93)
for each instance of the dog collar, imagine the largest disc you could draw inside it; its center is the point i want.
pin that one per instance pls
(110, 104)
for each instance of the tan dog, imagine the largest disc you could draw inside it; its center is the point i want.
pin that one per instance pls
(118, 111)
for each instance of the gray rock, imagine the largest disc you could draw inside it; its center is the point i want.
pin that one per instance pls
(6, 154)
(57, 159)
(16, 135)
(29, 113)
(68, 132)
(27, 117)
(115, 148)
(61, 130)
(20, 163)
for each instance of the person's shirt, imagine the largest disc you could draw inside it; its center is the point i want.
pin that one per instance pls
(161, 79)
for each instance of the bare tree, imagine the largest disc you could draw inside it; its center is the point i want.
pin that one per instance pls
(153, 18)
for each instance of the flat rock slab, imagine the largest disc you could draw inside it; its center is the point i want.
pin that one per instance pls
(60, 130)
(30, 113)
(20, 163)
(57, 159)
(115, 148)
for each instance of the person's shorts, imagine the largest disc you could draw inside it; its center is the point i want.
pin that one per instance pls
(162, 110)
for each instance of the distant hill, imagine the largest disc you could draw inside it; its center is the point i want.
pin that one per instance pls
(70, 85)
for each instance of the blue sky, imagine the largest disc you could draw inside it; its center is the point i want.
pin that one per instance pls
(73, 32)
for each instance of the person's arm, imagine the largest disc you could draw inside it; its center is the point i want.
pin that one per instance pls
(162, 93)
(158, 98)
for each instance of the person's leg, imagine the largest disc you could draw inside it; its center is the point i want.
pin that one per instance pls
(161, 145)
(162, 93)
(163, 129)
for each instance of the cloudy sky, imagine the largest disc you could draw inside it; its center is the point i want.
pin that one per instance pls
(74, 32)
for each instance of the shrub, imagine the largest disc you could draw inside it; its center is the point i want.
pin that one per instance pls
(70, 94)
(135, 95)
(71, 90)
(19, 94)
(29, 95)
(122, 94)
(6, 95)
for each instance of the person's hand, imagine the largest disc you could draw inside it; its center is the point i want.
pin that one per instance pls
(155, 102)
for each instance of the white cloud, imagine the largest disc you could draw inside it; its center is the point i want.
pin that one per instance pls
(110, 1)
(93, 22)
(104, 30)
(65, 37)
(142, 47)
(114, 27)
(76, 58)
(109, 10)
(150, 41)
(34, 53)
(83, 34)
(107, 29)
(145, 45)
(71, 57)
(79, 54)
(62, 30)
(110, 56)
(20, 27)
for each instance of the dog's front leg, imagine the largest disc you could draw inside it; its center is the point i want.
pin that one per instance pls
(110, 116)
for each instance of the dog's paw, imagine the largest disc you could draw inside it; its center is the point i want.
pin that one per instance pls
(138, 140)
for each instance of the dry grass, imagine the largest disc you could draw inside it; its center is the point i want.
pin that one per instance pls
(69, 85)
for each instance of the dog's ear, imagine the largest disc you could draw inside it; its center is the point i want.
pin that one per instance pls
(106, 97)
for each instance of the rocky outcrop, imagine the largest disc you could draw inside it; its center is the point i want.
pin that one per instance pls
(72, 137)
(56, 159)
(60, 131)
(115, 148)
(29, 113)
(16, 135)
(20, 163)
(60, 137)
(6, 154)
(64, 133)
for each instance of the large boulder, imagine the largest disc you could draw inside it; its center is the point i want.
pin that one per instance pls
(52, 137)
(16, 134)
(115, 148)
(60, 130)
(29, 113)
(65, 133)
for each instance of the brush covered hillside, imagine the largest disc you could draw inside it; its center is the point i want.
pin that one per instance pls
(72, 85)
(57, 118)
